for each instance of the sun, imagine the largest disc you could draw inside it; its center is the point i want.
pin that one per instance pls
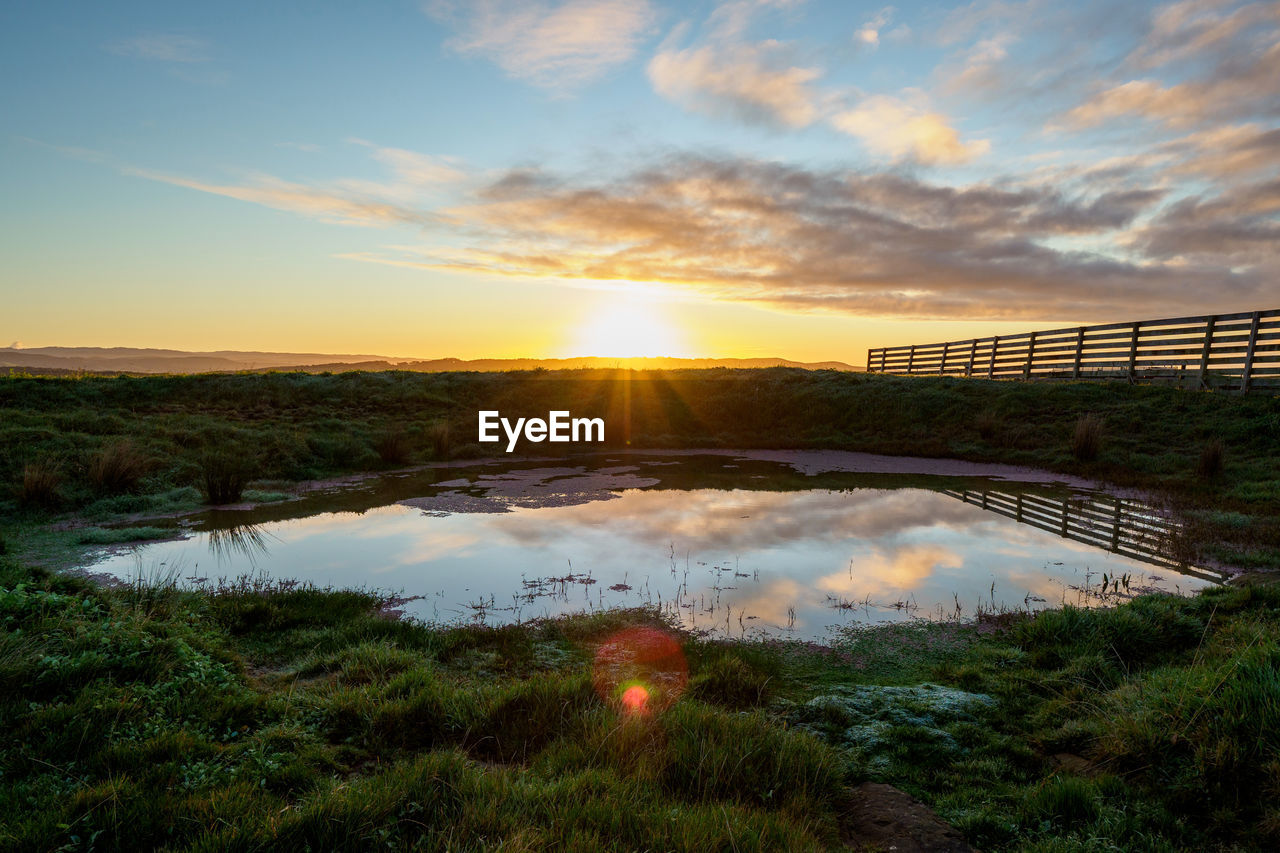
(629, 327)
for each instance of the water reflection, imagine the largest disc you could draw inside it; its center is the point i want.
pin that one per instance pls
(1119, 525)
(239, 542)
(736, 561)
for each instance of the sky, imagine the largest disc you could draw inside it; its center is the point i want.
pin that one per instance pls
(600, 177)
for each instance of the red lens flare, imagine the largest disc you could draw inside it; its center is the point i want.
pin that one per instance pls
(641, 671)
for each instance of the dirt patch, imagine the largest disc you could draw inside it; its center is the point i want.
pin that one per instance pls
(814, 462)
(534, 487)
(880, 817)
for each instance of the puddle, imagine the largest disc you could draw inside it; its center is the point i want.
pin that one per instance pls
(792, 544)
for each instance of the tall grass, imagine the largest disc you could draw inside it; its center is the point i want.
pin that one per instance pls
(1212, 457)
(40, 484)
(394, 447)
(225, 476)
(1086, 438)
(118, 468)
(441, 443)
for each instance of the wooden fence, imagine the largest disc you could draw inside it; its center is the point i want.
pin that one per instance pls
(1128, 528)
(1229, 351)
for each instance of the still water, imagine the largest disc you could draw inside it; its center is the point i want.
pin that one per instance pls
(796, 544)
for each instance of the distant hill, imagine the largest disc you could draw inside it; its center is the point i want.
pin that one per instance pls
(131, 360)
(441, 365)
(60, 360)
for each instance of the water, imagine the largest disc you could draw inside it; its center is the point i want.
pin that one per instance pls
(783, 544)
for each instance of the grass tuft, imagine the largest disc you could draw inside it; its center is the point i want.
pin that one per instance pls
(441, 444)
(987, 425)
(394, 447)
(118, 468)
(1212, 457)
(225, 477)
(40, 484)
(1086, 439)
(732, 683)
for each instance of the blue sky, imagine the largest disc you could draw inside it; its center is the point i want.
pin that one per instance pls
(786, 178)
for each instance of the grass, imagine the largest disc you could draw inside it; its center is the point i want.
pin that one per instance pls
(220, 433)
(394, 447)
(225, 475)
(277, 716)
(40, 485)
(120, 535)
(118, 468)
(264, 715)
(1212, 459)
(1086, 440)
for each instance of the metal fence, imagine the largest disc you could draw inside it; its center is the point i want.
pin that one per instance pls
(1230, 351)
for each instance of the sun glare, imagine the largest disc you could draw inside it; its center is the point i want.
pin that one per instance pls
(629, 327)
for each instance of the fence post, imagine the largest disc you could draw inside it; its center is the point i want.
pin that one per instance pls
(1031, 354)
(973, 349)
(1247, 379)
(946, 348)
(870, 369)
(911, 360)
(991, 365)
(1075, 370)
(1133, 354)
(1203, 380)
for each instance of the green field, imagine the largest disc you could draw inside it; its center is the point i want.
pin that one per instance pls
(262, 715)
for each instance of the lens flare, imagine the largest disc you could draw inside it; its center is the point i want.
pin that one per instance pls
(634, 699)
(640, 671)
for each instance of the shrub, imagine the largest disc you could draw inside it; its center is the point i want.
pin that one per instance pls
(225, 476)
(1212, 456)
(1086, 441)
(40, 482)
(118, 468)
(393, 447)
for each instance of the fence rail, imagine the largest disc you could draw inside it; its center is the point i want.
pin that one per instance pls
(1231, 351)
(1121, 526)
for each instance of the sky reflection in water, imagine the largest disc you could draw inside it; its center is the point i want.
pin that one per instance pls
(737, 562)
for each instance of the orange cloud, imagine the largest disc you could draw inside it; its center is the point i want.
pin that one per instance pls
(901, 130)
(740, 79)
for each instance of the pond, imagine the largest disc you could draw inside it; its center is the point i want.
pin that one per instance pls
(736, 544)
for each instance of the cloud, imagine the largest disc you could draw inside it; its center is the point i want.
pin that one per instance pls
(555, 46)
(162, 47)
(1184, 31)
(744, 80)
(325, 205)
(898, 129)
(1239, 82)
(347, 201)
(869, 32)
(1240, 225)
(982, 67)
(873, 244)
